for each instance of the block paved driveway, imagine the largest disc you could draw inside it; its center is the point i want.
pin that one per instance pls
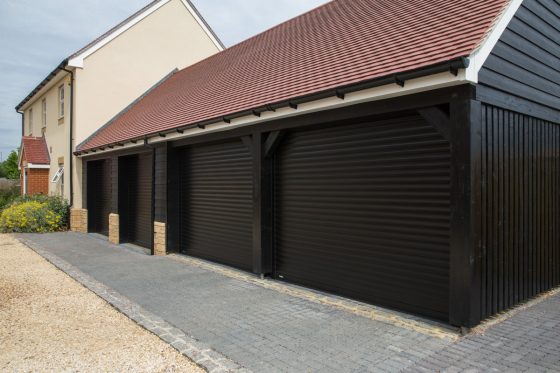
(268, 329)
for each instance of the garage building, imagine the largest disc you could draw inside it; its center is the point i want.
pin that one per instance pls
(404, 154)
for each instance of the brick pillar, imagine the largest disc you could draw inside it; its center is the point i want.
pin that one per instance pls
(160, 245)
(114, 233)
(79, 220)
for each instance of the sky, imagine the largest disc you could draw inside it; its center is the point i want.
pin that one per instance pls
(36, 35)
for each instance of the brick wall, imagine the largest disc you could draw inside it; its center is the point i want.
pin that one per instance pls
(37, 181)
(114, 235)
(160, 246)
(79, 220)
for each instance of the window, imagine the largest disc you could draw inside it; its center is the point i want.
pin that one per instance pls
(61, 101)
(44, 112)
(30, 121)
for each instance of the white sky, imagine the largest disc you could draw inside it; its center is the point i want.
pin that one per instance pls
(35, 35)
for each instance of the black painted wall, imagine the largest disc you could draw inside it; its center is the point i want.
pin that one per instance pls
(523, 71)
(519, 204)
(520, 212)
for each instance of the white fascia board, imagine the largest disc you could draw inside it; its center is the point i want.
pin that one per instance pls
(423, 84)
(78, 61)
(203, 25)
(480, 55)
(41, 166)
(125, 146)
(53, 82)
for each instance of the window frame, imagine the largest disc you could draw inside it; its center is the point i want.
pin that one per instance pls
(30, 121)
(44, 113)
(61, 98)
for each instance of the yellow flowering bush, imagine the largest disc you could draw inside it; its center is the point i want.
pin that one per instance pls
(30, 216)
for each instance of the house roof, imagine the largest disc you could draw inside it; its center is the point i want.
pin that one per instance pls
(107, 35)
(341, 43)
(34, 150)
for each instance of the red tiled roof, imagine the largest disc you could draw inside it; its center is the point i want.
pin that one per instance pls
(35, 150)
(340, 43)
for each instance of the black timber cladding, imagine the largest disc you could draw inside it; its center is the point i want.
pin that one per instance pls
(520, 218)
(522, 72)
(135, 199)
(363, 210)
(99, 194)
(519, 87)
(216, 201)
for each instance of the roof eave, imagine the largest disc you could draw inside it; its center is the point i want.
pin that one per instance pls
(41, 85)
(452, 66)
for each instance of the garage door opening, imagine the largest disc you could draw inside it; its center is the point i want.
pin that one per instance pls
(363, 210)
(216, 203)
(99, 196)
(135, 199)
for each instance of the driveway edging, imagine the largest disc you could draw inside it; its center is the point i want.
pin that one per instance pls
(201, 354)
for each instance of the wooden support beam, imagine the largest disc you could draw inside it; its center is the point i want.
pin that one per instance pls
(160, 183)
(272, 141)
(173, 218)
(114, 162)
(262, 207)
(465, 267)
(256, 153)
(438, 119)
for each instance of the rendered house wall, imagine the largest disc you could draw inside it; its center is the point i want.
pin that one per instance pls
(120, 72)
(56, 131)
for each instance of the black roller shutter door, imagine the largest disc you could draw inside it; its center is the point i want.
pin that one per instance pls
(363, 210)
(99, 196)
(135, 199)
(216, 203)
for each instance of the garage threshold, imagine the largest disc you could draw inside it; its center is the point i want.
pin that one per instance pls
(411, 322)
(129, 246)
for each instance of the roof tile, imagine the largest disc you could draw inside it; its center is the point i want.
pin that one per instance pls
(35, 150)
(340, 43)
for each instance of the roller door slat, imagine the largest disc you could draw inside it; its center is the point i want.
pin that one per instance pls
(216, 203)
(363, 211)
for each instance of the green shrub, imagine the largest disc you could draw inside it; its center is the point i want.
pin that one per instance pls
(7, 196)
(35, 214)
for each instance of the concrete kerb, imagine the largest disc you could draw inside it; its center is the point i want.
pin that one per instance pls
(210, 360)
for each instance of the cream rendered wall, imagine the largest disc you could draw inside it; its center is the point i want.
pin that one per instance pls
(57, 131)
(57, 136)
(128, 66)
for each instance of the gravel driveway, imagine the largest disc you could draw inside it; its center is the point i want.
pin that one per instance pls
(49, 322)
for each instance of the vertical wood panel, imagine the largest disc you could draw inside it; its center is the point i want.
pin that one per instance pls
(520, 181)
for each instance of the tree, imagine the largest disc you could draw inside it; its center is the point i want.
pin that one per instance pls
(10, 166)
